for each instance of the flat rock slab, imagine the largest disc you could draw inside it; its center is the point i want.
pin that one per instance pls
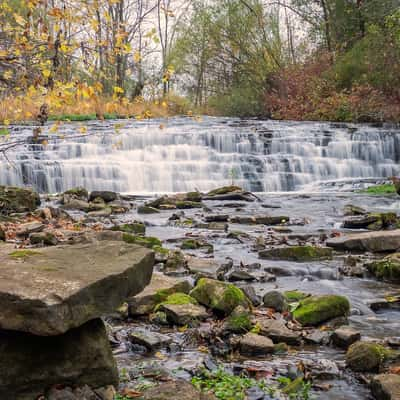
(376, 242)
(30, 365)
(150, 340)
(51, 290)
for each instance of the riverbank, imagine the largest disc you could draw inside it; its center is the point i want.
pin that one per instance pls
(272, 250)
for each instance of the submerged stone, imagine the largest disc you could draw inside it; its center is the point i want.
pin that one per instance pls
(51, 290)
(29, 364)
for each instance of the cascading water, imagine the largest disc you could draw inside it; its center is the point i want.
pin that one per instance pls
(184, 154)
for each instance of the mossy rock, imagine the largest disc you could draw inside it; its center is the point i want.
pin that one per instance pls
(17, 200)
(177, 298)
(148, 241)
(194, 196)
(78, 192)
(297, 253)
(366, 357)
(147, 210)
(387, 269)
(185, 205)
(136, 228)
(293, 296)
(224, 190)
(219, 296)
(193, 244)
(239, 321)
(315, 310)
(175, 261)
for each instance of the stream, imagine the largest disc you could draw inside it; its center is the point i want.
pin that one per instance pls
(307, 171)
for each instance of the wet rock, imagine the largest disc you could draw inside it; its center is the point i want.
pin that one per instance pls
(105, 195)
(275, 300)
(219, 296)
(345, 336)
(203, 267)
(61, 394)
(239, 321)
(386, 387)
(250, 293)
(387, 269)
(372, 221)
(297, 253)
(2, 235)
(196, 244)
(375, 242)
(157, 291)
(259, 220)
(278, 331)
(119, 206)
(145, 241)
(254, 345)
(184, 314)
(318, 337)
(159, 318)
(386, 303)
(239, 275)
(217, 218)
(213, 226)
(106, 392)
(24, 230)
(105, 212)
(179, 201)
(151, 340)
(229, 193)
(135, 228)
(180, 389)
(31, 364)
(365, 356)
(76, 204)
(17, 200)
(176, 263)
(351, 209)
(78, 193)
(51, 290)
(315, 310)
(43, 238)
(147, 210)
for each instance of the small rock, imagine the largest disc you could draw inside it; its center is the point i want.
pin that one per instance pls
(203, 267)
(252, 344)
(151, 340)
(318, 337)
(238, 275)
(386, 387)
(76, 204)
(106, 196)
(250, 292)
(45, 238)
(345, 336)
(278, 331)
(365, 356)
(147, 210)
(106, 393)
(217, 218)
(184, 314)
(61, 394)
(25, 230)
(297, 253)
(275, 300)
(239, 321)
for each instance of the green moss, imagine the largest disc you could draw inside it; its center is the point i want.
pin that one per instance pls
(224, 190)
(317, 309)
(387, 269)
(78, 192)
(295, 295)
(194, 196)
(239, 323)
(380, 190)
(147, 210)
(24, 253)
(161, 250)
(177, 298)
(190, 244)
(83, 117)
(135, 228)
(148, 241)
(297, 253)
(183, 205)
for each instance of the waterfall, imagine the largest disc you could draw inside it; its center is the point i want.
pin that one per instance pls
(184, 154)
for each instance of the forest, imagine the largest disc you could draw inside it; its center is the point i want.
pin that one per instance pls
(287, 59)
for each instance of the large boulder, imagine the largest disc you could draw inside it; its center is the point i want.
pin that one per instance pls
(315, 310)
(386, 387)
(219, 296)
(387, 269)
(377, 242)
(297, 253)
(366, 356)
(17, 200)
(49, 291)
(29, 364)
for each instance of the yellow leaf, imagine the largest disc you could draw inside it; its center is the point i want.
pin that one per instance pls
(19, 20)
(83, 129)
(137, 57)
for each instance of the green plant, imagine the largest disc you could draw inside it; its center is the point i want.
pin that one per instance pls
(380, 190)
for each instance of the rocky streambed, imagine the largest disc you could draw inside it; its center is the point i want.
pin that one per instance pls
(252, 297)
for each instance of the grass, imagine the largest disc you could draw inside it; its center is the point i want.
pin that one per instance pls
(380, 189)
(23, 253)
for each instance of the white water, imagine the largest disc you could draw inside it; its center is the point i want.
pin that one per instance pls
(188, 155)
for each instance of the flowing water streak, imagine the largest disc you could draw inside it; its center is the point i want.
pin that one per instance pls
(185, 155)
